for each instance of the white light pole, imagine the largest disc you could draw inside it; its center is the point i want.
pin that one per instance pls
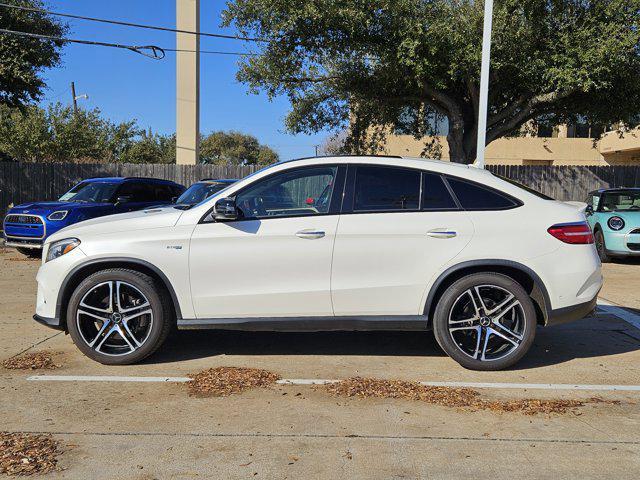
(484, 83)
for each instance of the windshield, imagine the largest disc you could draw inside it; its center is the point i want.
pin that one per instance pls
(620, 201)
(199, 191)
(97, 192)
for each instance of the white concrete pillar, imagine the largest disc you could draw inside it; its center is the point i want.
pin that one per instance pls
(187, 83)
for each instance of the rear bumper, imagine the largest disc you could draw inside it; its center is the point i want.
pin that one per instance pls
(574, 312)
(49, 322)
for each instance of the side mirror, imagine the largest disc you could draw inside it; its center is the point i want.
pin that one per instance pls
(589, 210)
(225, 210)
(123, 199)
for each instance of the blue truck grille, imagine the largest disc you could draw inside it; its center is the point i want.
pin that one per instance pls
(23, 226)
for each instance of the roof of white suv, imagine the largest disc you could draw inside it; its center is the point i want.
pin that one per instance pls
(441, 166)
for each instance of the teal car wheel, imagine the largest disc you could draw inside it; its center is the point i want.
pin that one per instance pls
(601, 247)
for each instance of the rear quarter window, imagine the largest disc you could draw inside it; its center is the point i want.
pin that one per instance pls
(473, 196)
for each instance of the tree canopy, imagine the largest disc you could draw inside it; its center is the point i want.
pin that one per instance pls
(57, 134)
(235, 148)
(393, 64)
(23, 59)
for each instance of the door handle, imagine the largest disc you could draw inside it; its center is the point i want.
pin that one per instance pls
(310, 234)
(442, 233)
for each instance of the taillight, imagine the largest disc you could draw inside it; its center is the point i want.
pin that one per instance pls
(575, 233)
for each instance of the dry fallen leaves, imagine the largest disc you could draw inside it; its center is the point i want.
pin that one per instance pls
(223, 381)
(448, 396)
(27, 454)
(31, 361)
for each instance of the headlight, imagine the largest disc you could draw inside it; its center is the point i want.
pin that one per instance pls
(616, 223)
(58, 215)
(61, 247)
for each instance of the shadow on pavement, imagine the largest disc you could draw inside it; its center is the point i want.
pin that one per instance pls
(596, 337)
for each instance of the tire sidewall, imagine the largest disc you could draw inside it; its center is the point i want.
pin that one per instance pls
(441, 320)
(602, 251)
(147, 287)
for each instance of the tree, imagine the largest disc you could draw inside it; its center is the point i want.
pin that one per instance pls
(33, 134)
(22, 59)
(151, 148)
(235, 148)
(394, 64)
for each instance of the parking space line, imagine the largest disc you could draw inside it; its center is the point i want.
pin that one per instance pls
(617, 311)
(104, 378)
(322, 381)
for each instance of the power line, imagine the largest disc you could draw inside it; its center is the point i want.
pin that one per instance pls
(129, 24)
(151, 51)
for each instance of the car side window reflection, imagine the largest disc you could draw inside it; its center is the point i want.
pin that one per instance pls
(304, 191)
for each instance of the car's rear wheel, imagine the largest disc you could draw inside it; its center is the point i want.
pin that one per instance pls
(601, 247)
(118, 316)
(30, 252)
(485, 321)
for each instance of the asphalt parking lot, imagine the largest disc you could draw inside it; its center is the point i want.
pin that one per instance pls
(147, 430)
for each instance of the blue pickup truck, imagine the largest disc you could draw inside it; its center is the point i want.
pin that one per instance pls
(26, 226)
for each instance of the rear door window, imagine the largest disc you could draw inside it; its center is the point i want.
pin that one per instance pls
(386, 189)
(435, 194)
(473, 196)
(138, 192)
(164, 193)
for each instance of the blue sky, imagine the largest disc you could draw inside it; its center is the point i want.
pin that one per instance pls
(125, 85)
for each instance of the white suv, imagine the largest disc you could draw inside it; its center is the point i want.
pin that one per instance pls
(333, 243)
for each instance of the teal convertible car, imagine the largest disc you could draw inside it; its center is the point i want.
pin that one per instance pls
(614, 217)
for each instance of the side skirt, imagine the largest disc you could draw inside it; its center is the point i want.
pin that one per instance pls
(309, 324)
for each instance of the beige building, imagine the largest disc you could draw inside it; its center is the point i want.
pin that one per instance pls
(564, 146)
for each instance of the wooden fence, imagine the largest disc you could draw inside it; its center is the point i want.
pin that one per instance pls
(25, 182)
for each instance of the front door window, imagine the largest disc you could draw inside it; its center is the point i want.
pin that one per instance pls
(299, 192)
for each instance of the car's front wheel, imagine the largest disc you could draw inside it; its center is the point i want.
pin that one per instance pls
(601, 247)
(485, 321)
(118, 316)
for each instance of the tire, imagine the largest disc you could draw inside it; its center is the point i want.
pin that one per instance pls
(30, 252)
(601, 247)
(457, 310)
(122, 332)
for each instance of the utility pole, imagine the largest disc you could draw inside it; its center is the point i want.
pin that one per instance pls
(316, 147)
(484, 83)
(188, 83)
(75, 99)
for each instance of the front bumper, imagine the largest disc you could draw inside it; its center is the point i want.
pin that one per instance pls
(22, 243)
(49, 322)
(622, 244)
(571, 313)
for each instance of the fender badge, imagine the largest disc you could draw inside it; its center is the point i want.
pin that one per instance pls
(174, 247)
